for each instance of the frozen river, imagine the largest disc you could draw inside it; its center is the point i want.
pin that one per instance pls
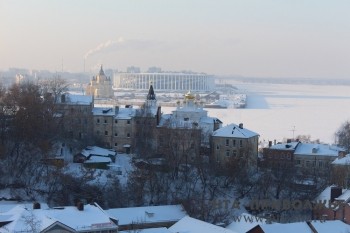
(277, 111)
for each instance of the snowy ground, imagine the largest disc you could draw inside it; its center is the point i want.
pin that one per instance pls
(273, 110)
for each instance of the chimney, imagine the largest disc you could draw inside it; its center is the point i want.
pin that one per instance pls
(80, 206)
(270, 143)
(335, 192)
(274, 142)
(289, 140)
(36, 206)
(116, 110)
(241, 125)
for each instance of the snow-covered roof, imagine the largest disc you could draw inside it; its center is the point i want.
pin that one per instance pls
(192, 225)
(76, 99)
(285, 146)
(245, 223)
(103, 111)
(326, 194)
(149, 230)
(300, 227)
(92, 217)
(335, 226)
(95, 150)
(317, 149)
(148, 214)
(125, 113)
(234, 131)
(345, 196)
(342, 161)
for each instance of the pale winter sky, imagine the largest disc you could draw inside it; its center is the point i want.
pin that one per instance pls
(261, 38)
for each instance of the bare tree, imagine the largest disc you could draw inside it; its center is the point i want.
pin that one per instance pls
(342, 136)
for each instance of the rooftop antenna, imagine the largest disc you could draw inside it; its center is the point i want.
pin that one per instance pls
(293, 130)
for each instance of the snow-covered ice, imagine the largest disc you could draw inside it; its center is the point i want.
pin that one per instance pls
(274, 110)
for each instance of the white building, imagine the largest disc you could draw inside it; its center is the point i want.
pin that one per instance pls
(190, 114)
(100, 86)
(165, 81)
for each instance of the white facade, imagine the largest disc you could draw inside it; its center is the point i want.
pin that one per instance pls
(190, 114)
(165, 81)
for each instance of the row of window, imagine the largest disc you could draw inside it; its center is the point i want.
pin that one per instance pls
(98, 121)
(280, 156)
(115, 134)
(308, 163)
(234, 142)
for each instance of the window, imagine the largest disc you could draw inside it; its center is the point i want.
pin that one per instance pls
(240, 143)
(217, 147)
(288, 155)
(98, 121)
(227, 142)
(116, 121)
(234, 143)
(234, 153)
(128, 135)
(307, 163)
(115, 134)
(228, 153)
(105, 121)
(297, 162)
(186, 119)
(106, 132)
(320, 164)
(115, 144)
(128, 122)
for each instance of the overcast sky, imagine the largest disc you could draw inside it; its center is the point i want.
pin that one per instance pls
(261, 38)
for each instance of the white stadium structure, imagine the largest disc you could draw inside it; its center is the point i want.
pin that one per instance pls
(165, 81)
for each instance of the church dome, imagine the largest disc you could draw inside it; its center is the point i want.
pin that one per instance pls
(189, 96)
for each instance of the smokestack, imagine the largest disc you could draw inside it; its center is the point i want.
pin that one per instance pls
(270, 143)
(241, 125)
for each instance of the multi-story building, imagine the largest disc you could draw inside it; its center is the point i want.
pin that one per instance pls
(75, 112)
(279, 155)
(100, 86)
(305, 157)
(165, 81)
(234, 142)
(127, 129)
(340, 174)
(186, 130)
(113, 127)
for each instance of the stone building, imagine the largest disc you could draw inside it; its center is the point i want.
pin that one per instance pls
(75, 112)
(233, 141)
(128, 129)
(100, 86)
(113, 127)
(182, 134)
(307, 158)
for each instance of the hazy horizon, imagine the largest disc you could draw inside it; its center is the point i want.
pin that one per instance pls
(252, 38)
